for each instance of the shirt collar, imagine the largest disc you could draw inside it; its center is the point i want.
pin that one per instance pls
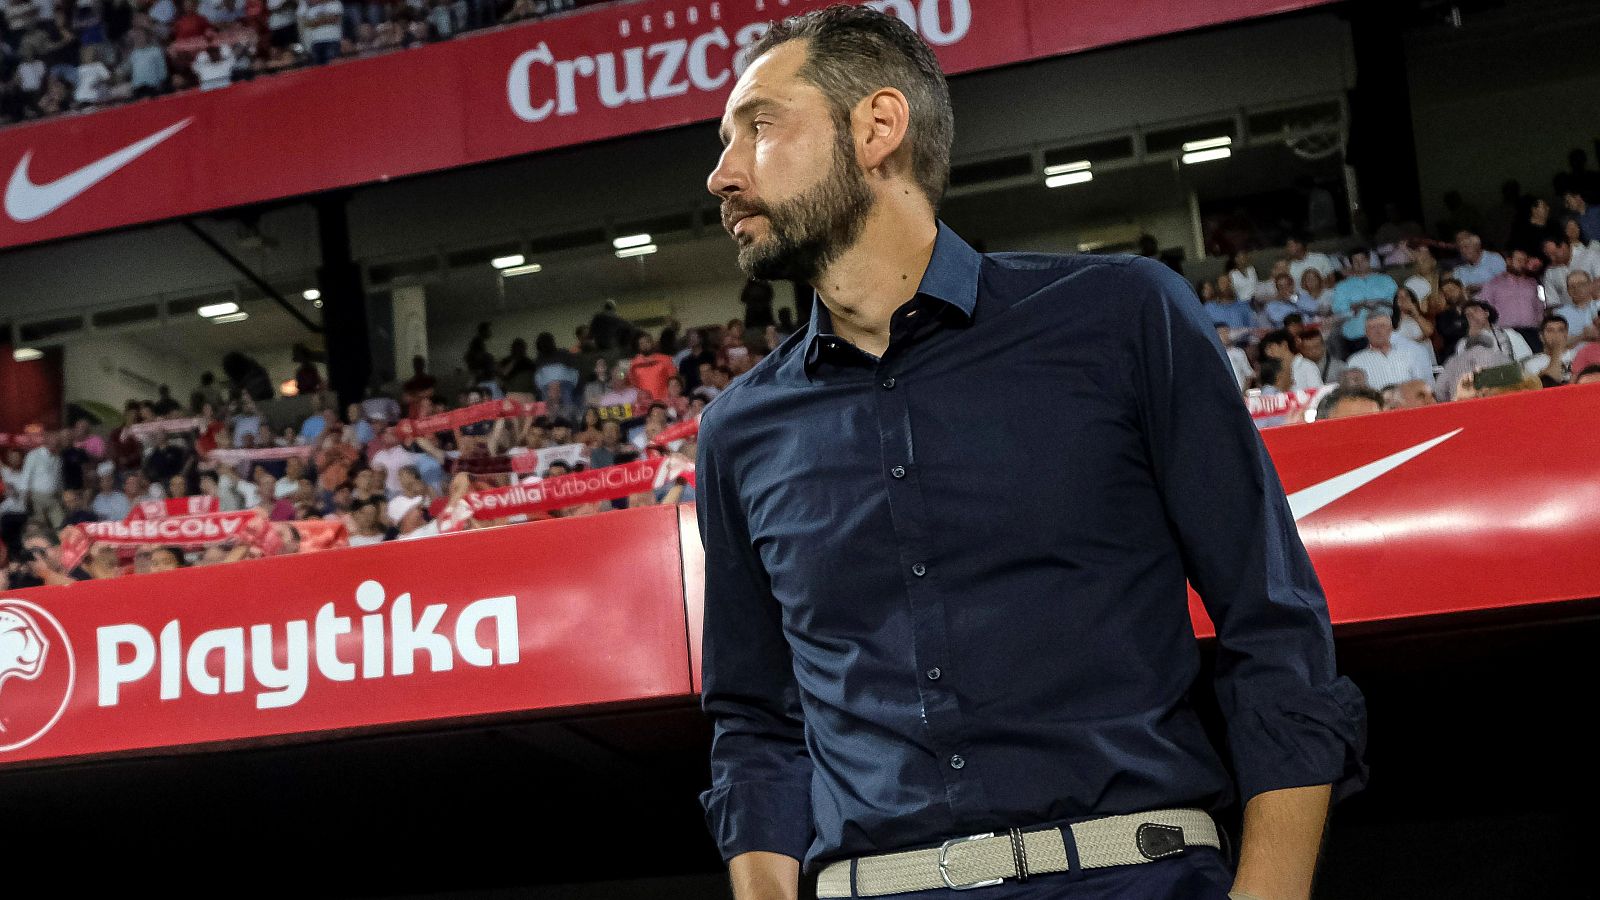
(952, 276)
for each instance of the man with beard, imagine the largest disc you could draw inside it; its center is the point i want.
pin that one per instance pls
(906, 646)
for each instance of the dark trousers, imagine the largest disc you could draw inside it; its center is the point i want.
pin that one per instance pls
(1199, 873)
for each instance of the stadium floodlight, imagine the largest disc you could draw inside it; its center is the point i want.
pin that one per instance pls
(1081, 165)
(213, 310)
(646, 250)
(630, 241)
(1207, 144)
(231, 317)
(1200, 156)
(27, 354)
(1066, 178)
(312, 294)
(514, 271)
(507, 262)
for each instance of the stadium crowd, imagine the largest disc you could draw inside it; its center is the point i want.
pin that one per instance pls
(58, 56)
(361, 468)
(1483, 305)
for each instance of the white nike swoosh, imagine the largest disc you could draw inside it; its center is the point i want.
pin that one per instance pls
(26, 201)
(1308, 500)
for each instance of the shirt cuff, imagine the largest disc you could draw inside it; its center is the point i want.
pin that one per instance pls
(760, 815)
(1306, 737)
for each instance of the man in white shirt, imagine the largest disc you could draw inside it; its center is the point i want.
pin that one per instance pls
(1236, 356)
(392, 458)
(41, 480)
(322, 28)
(1300, 260)
(1280, 345)
(1389, 359)
(1553, 366)
(1561, 264)
(1581, 309)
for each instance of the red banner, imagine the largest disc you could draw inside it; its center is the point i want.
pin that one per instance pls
(258, 454)
(613, 71)
(176, 531)
(487, 411)
(173, 506)
(157, 427)
(676, 432)
(561, 491)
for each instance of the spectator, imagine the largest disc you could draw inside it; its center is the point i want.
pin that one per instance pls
(1286, 301)
(1424, 280)
(1361, 294)
(1483, 331)
(1584, 256)
(1581, 310)
(478, 359)
(145, 71)
(322, 29)
(191, 26)
(1586, 214)
(420, 385)
(221, 12)
(74, 512)
(620, 391)
(165, 404)
(1301, 259)
(1411, 322)
(650, 369)
(13, 500)
(1347, 402)
(365, 525)
(41, 480)
(517, 370)
(391, 459)
(1553, 365)
(1299, 373)
(1236, 357)
(1514, 293)
(1450, 324)
(609, 330)
(93, 80)
(1413, 394)
(1532, 227)
(110, 504)
(1389, 359)
(1477, 264)
(1314, 348)
(213, 66)
(307, 377)
(283, 30)
(413, 493)
(321, 421)
(1226, 309)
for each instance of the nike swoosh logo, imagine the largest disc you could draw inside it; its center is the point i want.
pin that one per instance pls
(26, 201)
(1308, 500)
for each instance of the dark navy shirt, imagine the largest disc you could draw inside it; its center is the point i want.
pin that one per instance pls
(945, 589)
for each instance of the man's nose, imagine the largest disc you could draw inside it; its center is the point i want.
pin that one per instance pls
(729, 177)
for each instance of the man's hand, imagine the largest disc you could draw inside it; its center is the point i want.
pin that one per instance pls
(759, 875)
(1282, 835)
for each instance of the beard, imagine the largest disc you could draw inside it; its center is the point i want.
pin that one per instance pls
(810, 231)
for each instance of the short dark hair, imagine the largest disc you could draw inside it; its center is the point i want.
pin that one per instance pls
(1552, 317)
(1593, 369)
(853, 51)
(1280, 336)
(1347, 393)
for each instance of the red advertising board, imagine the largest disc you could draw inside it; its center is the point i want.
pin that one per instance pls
(1408, 516)
(538, 616)
(604, 73)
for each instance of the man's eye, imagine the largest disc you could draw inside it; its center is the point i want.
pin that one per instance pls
(760, 125)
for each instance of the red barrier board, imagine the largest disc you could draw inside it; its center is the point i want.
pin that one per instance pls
(529, 617)
(605, 73)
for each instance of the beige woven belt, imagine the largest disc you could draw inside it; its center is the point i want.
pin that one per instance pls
(983, 860)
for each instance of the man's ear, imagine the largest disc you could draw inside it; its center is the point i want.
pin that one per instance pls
(880, 122)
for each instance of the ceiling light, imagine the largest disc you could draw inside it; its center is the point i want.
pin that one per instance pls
(1079, 166)
(27, 354)
(646, 250)
(632, 240)
(231, 317)
(312, 294)
(506, 262)
(1207, 144)
(213, 310)
(528, 269)
(1066, 178)
(1201, 156)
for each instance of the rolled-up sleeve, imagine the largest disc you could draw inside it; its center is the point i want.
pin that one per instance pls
(760, 796)
(1292, 721)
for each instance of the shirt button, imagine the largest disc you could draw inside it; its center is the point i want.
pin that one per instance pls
(888, 383)
(919, 570)
(898, 471)
(934, 673)
(957, 762)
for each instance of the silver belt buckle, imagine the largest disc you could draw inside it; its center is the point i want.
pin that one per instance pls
(944, 864)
